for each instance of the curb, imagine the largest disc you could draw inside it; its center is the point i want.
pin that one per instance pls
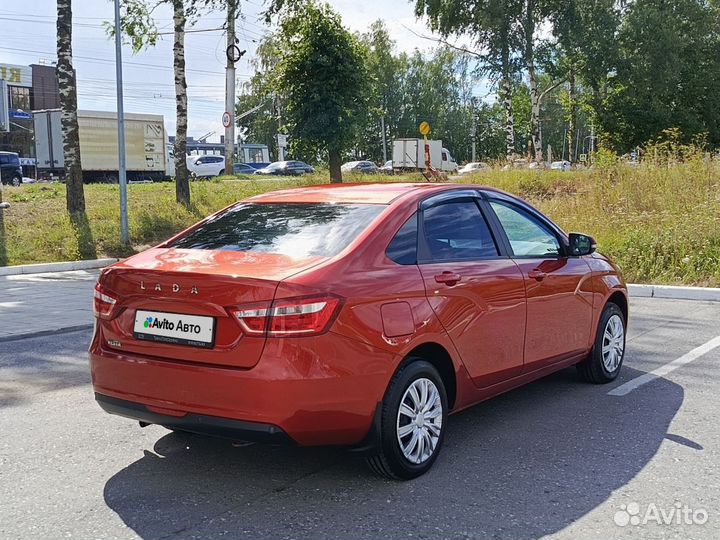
(42, 333)
(674, 292)
(55, 267)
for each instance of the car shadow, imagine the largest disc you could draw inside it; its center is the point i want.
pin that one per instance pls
(522, 465)
(41, 365)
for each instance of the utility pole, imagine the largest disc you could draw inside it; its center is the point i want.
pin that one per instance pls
(382, 126)
(122, 173)
(233, 54)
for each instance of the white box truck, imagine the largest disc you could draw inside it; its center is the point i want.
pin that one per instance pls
(147, 152)
(409, 154)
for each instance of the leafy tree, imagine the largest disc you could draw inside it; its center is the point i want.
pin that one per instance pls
(586, 33)
(667, 74)
(323, 72)
(386, 71)
(493, 27)
(262, 125)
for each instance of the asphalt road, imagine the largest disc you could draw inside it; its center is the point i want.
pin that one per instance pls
(558, 458)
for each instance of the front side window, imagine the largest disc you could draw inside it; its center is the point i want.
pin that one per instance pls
(528, 237)
(457, 231)
(295, 230)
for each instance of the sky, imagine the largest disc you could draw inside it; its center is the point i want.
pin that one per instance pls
(27, 36)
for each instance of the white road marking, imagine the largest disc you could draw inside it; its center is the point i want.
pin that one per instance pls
(645, 378)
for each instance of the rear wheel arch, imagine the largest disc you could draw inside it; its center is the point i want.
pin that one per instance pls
(440, 359)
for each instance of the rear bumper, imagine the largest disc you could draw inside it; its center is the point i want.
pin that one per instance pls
(225, 428)
(320, 390)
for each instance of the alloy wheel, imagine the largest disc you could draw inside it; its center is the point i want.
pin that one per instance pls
(613, 343)
(419, 421)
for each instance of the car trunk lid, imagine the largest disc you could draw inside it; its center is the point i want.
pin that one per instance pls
(196, 284)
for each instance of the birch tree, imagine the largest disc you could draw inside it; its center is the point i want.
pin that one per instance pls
(534, 14)
(182, 180)
(139, 29)
(67, 86)
(493, 27)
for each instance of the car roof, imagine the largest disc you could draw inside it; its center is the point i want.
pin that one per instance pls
(378, 193)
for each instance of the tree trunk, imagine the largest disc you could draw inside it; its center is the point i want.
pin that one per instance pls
(535, 137)
(335, 171)
(572, 127)
(68, 110)
(182, 183)
(506, 94)
(529, 47)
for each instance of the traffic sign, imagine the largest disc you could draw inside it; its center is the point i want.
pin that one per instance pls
(226, 119)
(424, 128)
(21, 115)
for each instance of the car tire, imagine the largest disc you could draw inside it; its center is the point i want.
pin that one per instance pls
(606, 357)
(416, 385)
(16, 180)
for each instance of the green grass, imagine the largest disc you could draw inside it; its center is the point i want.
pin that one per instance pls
(660, 223)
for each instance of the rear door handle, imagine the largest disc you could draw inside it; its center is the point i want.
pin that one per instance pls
(537, 274)
(449, 278)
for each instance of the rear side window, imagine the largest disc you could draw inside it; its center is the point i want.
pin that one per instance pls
(457, 231)
(403, 248)
(296, 230)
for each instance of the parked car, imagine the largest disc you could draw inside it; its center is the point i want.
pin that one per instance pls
(356, 315)
(474, 167)
(367, 167)
(243, 168)
(561, 166)
(387, 167)
(206, 166)
(10, 169)
(286, 168)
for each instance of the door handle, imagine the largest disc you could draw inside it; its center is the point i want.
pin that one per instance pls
(537, 274)
(449, 278)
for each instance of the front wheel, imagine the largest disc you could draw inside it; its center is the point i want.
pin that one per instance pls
(16, 180)
(606, 358)
(412, 430)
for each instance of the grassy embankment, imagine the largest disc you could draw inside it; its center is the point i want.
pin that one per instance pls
(660, 223)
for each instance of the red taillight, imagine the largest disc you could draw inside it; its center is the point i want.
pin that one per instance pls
(289, 317)
(103, 303)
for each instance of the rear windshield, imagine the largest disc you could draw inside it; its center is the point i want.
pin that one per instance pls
(297, 230)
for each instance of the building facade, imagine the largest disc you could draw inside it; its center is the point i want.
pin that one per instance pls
(30, 88)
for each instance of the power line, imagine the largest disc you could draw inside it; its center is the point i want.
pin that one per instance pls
(107, 61)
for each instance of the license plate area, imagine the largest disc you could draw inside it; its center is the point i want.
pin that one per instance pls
(174, 328)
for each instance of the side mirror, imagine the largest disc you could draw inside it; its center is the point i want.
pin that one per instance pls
(581, 244)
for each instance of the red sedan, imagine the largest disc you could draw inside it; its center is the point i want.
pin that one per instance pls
(358, 315)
